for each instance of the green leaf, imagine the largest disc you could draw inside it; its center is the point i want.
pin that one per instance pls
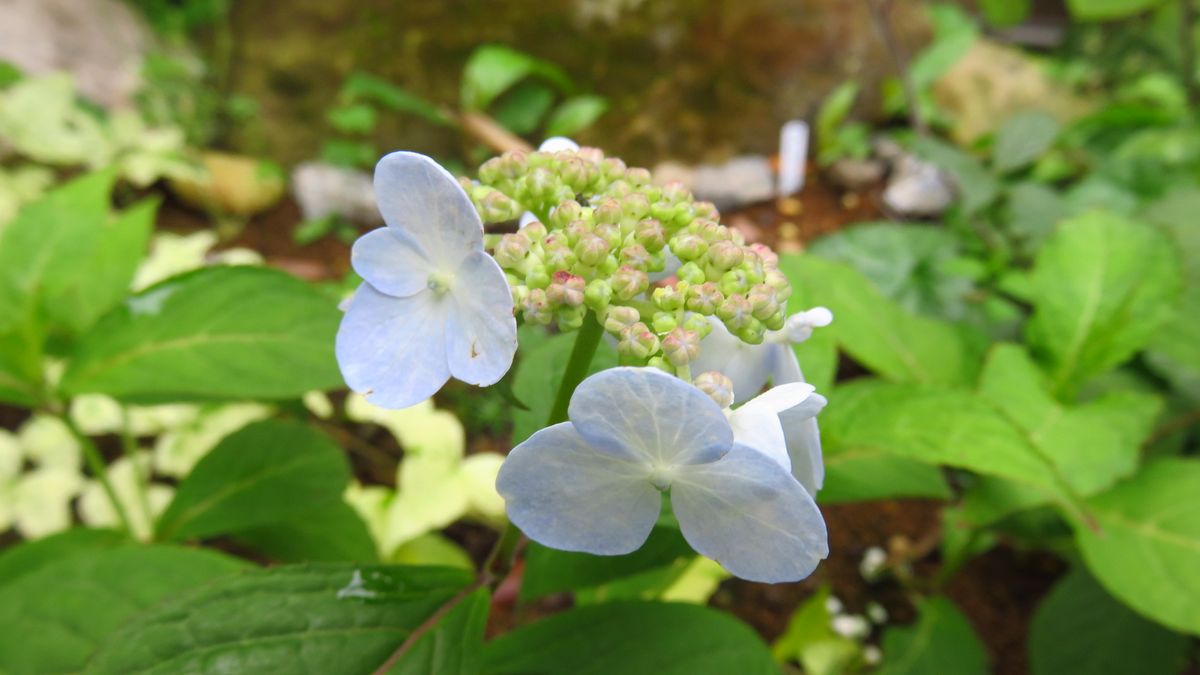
(1023, 138)
(910, 264)
(1174, 352)
(811, 641)
(818, 354)
(550, 571)
(21, 367)
(364, 87)
(266, 473)
(522, 109)
(220, 332)
(942, 641)
(332, 533)
(1102, 287)
(31, 556)
(631, 638)
(856, 470)
(1033, 211)
(539, 370)
(834, 110)
(977, 187)
(353, 119)
(576, 114)
(1146, 548)
(1004, 13)
(878, 333)
(494, 69)
(1079, 628)
(455, 645)
(296, 619)
(1105, 10)
(54, 617)
(1092, 445)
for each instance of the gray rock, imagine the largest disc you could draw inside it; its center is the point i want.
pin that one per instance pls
(740, 181)
(102, 43)
(856, 174)
(918, 189)
(324, 189)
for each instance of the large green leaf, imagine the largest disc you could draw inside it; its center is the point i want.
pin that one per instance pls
(576, 114)
(1174, 352)
(334, 532)
(219, 332)
(53, 618)
(267, 473)
(818, 354)
(942, 641)
(297, 619)
(1023, 138)
(1079, 628)
(21, 366)
(1101, 10)
(539, 371)
(494, 69)
(631, 638)
(1102, 287)
(878, 333)
(455, 645)
(1092, 445)
(33, 555)
(1145, 546)
(858, 469)
(551, 571)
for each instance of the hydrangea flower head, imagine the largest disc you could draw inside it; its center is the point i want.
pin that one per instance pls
(433, 304)
(594, 484)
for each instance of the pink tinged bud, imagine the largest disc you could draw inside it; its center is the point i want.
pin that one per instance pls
(635, 206)
(637, 176)
(495, 207)
(628, 282)
(535, 230)
(619, 189)
(725, 255)
(536, 308)
(718, 387)
(675, 192)
(763, 302)
(577, 174)
(610, 232)
(541, 184)
(514, 163)
(710, 231)
(649, 233)
(668, 298)
(637, 342)
(556, 255)
(769, 258)
(612, 168)
(566, 289)
(591, 249)
(565, 212)
(575, 230)
(608, 210)
(706, 210)
(736, 312)
(691, 273)
(704, 298)
(620, 317)
(637, 256)
(590, 155)
(512, 250)
(681, 347)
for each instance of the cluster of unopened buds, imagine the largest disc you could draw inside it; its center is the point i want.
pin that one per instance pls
(698, 318)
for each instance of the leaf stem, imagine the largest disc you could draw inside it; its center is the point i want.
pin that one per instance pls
(141, 481)
(577, 367)
(95, 461)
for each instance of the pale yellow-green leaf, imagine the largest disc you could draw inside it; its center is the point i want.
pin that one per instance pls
(42, 501)
(48, 442)
(178, 450)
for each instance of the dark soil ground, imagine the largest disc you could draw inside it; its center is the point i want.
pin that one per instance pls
(998, 591)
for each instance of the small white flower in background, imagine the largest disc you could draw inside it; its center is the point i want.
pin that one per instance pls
(851, 626)
(433, 304)
(594, 484)
(182, 445)
(142, 501)
(872, 655)
(876, 613)
(833, 605)
(436, 484)
(873, 561)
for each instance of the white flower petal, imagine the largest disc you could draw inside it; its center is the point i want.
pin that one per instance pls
(785, 366)
(760, 428)
(557, 144)
(748, 366)
(481, 334)
(804, 442)
(392, 262)
(393, 350)
(416, 195)
(750, 516)
(781, 397)
(564, 494)
(646, 415)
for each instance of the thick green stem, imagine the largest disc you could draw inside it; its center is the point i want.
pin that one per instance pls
(577, 367)
(95, 461)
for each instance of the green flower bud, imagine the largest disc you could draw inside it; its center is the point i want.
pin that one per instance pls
(688, 247)
(752, 267)
(620, 317)
(575, 230)
(775, 279)
(628, 282)
(675, 192)
(776, 321)
(535, 230)
(619, 189)
(718, 387)
(597, 295)
(725, 255)
(577, 174)
(704, 298)
(635, 206)
(706, 210)
(537, 276)
(681, 347)
(611, 233)
(662, 211)
(540, 185)
(753, 332)
(495, 207)
(668, 298)
(657, 262)
(697, 323)
(664, 322)
(608, 210)
(556, 254)
(566, 289)
(612, 168)
(691, 273)
(763, 302)
(635, 255)
(536, 308)
(710, 231)
(591, 249)
(519, 291)
(637, 176)
(769, 258)
(490, 171)
(660, 363)
(512, 250)
(570, 318)
(649, 233)
(637, 342)
(566, 212)
(735, 311)
(609, 266)
(734, 282)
